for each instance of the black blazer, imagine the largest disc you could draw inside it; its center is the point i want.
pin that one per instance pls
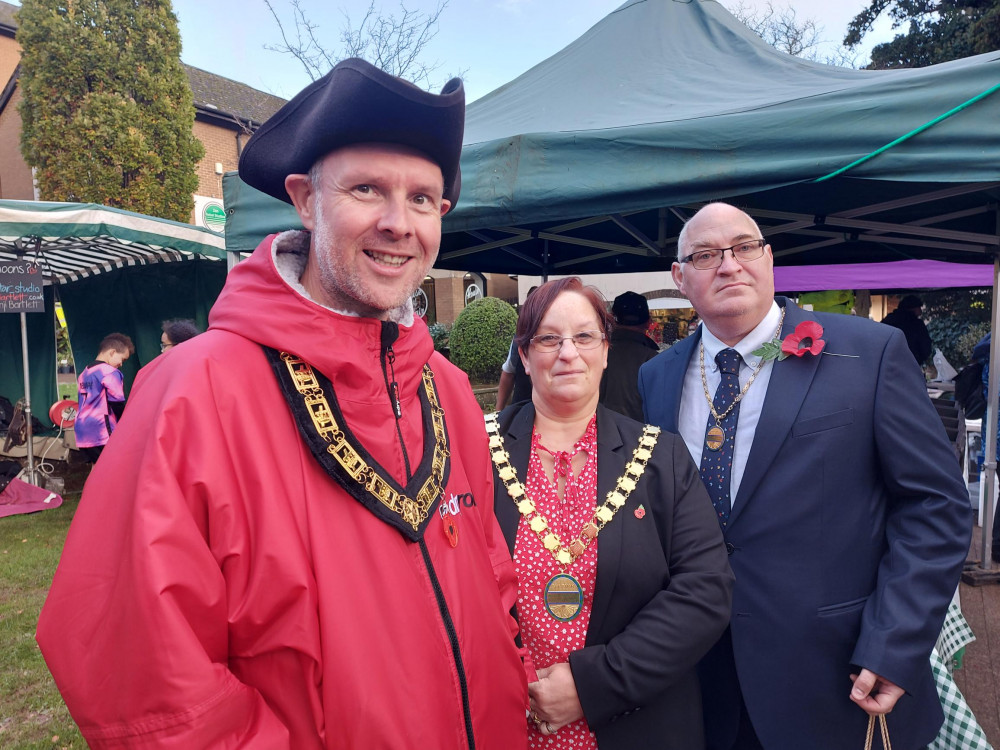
(663, 588)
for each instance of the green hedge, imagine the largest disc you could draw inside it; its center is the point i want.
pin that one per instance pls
(480, 338)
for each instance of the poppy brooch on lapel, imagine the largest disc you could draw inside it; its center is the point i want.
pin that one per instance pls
(807, 338)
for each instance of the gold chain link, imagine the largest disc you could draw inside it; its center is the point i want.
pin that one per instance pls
(704, 380)
(411, 510)
(566, 554)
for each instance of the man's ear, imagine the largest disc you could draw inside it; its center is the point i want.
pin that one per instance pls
(678, 275)
(300, 190)
(445, 206)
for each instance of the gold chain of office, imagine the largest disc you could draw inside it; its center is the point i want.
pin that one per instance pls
(412, 510)
(567, 554)
(746, 387)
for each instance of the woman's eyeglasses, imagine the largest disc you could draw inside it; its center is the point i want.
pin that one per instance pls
(550, 342)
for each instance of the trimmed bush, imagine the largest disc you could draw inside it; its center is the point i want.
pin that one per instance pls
(439, 334)
(480, 338)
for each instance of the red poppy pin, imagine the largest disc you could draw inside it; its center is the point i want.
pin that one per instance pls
(451, 529)
(805, 339)
(640, 512)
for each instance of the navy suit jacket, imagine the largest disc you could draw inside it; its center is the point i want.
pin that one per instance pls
(847, 538)
(662, 593)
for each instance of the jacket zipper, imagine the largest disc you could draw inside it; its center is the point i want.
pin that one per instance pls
(390, 332)
(449, 626)
(387, 358)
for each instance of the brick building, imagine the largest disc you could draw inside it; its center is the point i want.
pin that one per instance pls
(226, 113)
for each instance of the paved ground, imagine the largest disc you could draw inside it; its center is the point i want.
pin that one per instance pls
(979, 677)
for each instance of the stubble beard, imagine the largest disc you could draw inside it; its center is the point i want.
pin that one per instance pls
(346, 287)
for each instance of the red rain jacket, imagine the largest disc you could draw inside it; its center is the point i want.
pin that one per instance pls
(219, 590)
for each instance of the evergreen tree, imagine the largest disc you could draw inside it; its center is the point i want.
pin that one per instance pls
(107, 111)
(936, 31)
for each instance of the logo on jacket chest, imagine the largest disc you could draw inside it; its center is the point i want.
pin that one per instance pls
(453, 504)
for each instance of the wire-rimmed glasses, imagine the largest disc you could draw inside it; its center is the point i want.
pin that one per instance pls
(744, 252)
(551, 342)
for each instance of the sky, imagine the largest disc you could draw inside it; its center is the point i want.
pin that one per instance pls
(488, 42)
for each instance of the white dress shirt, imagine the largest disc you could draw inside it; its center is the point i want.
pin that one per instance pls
(694, 411)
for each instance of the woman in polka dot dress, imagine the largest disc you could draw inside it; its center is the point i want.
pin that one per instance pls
(624, 582)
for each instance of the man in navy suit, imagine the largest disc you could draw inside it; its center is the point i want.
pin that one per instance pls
(843, 508)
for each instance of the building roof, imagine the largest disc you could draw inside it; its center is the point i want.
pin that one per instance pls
(7, 11)
(225, 97)
(213, 95)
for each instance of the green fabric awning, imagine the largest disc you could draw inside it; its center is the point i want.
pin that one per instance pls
(112, 270)
(591, 161)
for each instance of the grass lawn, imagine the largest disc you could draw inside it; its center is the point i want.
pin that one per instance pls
(32, 714)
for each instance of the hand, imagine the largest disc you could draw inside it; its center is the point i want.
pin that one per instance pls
(554, 698)
(873, 693)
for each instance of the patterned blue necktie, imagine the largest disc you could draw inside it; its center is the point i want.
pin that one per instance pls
(717, 465)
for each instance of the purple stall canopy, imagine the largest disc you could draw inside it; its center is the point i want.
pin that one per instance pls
(902, 274)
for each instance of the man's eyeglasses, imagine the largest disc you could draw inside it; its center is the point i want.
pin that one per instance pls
(744, 252)
(550, 342)
(164, 347)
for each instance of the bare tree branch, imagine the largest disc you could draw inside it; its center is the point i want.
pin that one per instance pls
(393, 43)
(783, 30)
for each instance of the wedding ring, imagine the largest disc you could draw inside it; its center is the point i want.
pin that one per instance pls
(549, 729)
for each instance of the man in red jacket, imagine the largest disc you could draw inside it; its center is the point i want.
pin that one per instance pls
(292, 543)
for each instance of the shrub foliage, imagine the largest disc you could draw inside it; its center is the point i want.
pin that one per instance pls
(953, 313)
(480, 338)
(439, 334)
(107, 111)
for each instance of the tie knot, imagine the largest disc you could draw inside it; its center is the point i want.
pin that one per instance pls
(728, 361)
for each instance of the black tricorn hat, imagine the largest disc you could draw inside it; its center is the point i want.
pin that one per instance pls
(356, 103)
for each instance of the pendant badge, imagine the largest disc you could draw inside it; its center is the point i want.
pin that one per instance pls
(563, 597)
(714, 438)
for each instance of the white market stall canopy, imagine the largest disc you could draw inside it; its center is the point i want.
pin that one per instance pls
(112, 270)
(77, 240)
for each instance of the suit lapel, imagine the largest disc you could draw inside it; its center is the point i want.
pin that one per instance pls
(610, 465)
(787, 389)
(517, 443)
(676, 360)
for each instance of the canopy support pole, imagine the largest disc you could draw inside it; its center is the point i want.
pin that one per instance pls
(985, 573)
(27, 399)
(989, 476)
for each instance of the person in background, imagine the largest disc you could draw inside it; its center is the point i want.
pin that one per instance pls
(630, 348)
(981, 354)
(101, 394)
(842, 505)
(515, 385)
(177, 332)
(906, 317)
(292, 543)
(624, 582)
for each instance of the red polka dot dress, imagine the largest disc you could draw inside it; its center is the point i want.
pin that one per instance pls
(549, 640)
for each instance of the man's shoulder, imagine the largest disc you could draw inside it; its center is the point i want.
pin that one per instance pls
(853, 326)
(675, 356)
(444, 370)
(453, 386)
(213, 355)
